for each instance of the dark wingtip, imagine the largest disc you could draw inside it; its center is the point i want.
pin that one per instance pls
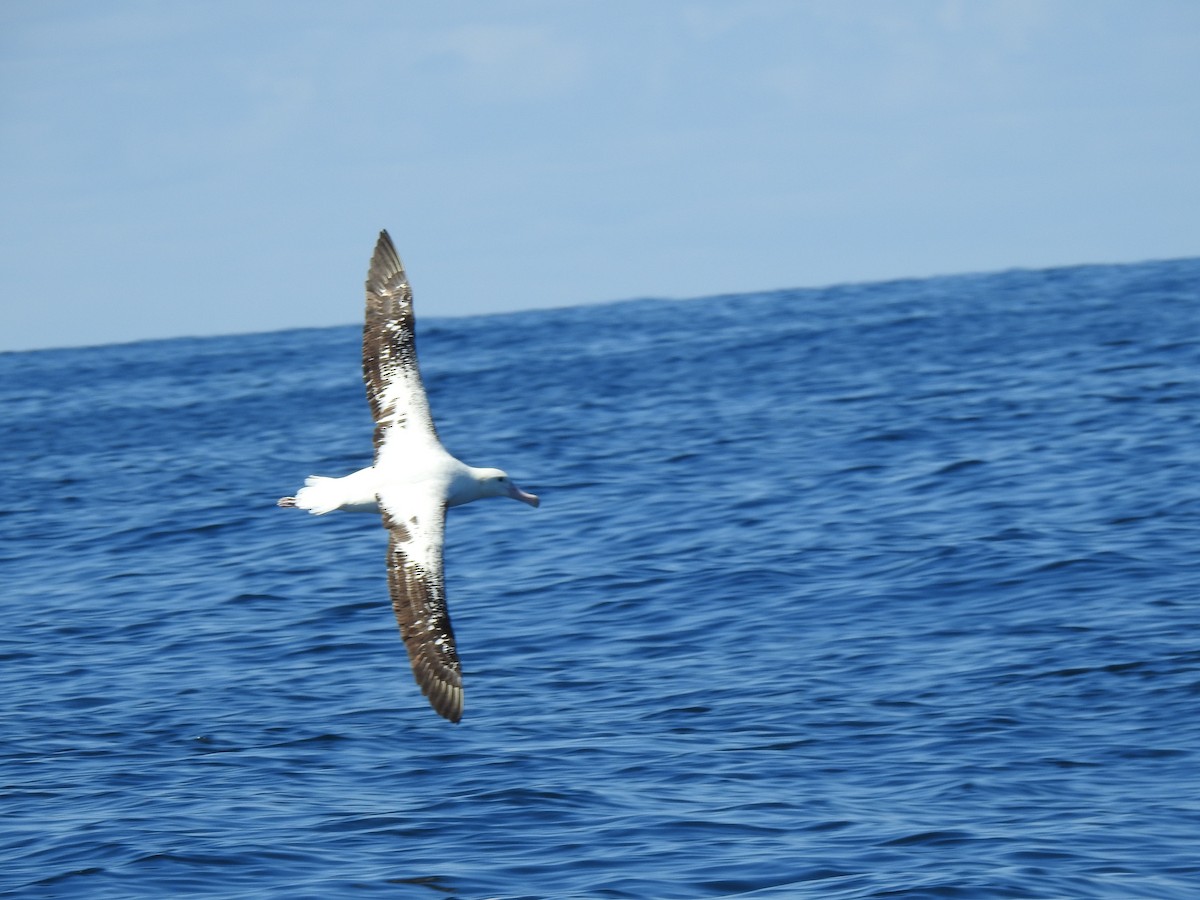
(446, 700)
(386, 270)
(385, 246)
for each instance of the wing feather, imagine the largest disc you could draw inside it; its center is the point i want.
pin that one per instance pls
(418, 592)
(415, 516)
(390, 370)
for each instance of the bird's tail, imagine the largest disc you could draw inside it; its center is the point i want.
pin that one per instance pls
(316, 496)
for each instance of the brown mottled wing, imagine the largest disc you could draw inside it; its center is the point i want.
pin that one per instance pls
(415, 516)
(390, 371)
(418, 592)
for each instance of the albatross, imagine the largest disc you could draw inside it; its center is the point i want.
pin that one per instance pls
(412, 483)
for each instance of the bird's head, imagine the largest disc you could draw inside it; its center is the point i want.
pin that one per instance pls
(496, 483)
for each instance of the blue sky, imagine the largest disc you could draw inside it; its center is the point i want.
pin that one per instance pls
(214, 167)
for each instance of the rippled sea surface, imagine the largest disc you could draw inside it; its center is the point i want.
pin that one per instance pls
(875, 591)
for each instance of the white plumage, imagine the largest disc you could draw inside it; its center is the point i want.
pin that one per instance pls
(412, 483)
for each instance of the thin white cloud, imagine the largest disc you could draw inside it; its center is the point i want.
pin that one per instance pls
(509, 62)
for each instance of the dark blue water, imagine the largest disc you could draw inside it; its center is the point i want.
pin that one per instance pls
(875, 591)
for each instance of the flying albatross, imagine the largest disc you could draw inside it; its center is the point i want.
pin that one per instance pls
(412, 483)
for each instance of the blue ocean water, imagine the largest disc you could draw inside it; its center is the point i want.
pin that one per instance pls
(871, 591)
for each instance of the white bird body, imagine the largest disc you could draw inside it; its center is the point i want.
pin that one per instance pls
(412, 483)
(359, 491)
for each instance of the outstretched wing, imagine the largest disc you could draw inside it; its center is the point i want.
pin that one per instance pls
(414, 515)
(416, 527)
(393, 380)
